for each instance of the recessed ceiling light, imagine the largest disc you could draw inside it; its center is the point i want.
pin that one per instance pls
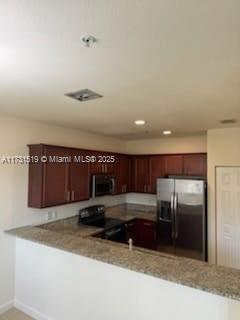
(139, 122)
(167, 132)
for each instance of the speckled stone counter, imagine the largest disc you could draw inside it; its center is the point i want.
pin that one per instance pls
(70, 226)
(200, 275)
(124, 212)
(130, 211)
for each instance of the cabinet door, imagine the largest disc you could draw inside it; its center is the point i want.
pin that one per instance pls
(109, 165)
(131, 231)
(122, 169)
(140, 174)
(195, 165)
(156, 171)
(173, 165)
(97, 166)
(56, 177)
(103, 163)
(145, 233)
(79, 177)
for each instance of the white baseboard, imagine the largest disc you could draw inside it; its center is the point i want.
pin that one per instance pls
(30, 311)
(6, 306)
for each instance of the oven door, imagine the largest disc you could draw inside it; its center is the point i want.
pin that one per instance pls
(102, 185)
(117, 234)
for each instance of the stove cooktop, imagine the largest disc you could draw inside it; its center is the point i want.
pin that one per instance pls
(106, 223)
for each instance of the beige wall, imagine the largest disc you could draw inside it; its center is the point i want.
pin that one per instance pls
(223, 147)
(168, 145)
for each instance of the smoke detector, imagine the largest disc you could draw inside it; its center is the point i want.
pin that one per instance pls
(88, 40)
(83, 95)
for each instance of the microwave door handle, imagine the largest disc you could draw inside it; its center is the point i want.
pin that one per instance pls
(172, 217)
(113, 185)
(93, 186)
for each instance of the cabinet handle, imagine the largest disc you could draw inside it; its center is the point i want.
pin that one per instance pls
(147, 224)
(68, 196)
(106, 168)
(73, 195)
(127, 225)
(145, 188)
(102, 167)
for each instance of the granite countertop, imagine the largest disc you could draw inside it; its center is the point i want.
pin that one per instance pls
(123, 212)
(128, 212)
(196, 274)
(72, 227)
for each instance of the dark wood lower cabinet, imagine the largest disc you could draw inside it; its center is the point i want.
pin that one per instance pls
(142, 232)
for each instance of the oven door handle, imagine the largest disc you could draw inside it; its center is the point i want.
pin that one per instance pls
(111, 233)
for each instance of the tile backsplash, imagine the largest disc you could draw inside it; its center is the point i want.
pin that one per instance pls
(142, 198)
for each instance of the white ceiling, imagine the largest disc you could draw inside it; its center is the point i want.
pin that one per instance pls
(175, 64)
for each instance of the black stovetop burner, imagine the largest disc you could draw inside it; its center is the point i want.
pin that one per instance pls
(95, 216)
(105, 223)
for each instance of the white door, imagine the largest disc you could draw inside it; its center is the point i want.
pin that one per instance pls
(228, 216)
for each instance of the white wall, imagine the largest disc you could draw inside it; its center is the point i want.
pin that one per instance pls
(168, 145)
(74, 287)
(15, 135)
(223, 148)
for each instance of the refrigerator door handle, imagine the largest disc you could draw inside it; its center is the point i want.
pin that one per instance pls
(175, 214)
(172, 216)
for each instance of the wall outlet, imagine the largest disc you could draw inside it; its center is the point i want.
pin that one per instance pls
(51, 215)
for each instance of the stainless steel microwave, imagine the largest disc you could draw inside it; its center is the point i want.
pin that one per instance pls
(103, 185)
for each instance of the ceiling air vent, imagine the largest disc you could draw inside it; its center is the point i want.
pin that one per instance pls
(83, 95)
(228, 121)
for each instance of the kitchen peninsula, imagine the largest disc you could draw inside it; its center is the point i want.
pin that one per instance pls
(221, 285)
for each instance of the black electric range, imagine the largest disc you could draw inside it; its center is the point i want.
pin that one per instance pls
(114, 229)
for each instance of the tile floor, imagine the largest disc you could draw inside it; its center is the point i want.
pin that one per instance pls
(14, 314)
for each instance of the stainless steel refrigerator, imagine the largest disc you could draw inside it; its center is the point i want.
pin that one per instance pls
(181, 217)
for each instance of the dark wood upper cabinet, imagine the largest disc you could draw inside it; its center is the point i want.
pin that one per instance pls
(96, 167)
(172, 165)
(140, 174)
(48, 177)
(195, 165)
(156, 170)
(79, 177)
(103, 163)
(122, 172)
(57, 179)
